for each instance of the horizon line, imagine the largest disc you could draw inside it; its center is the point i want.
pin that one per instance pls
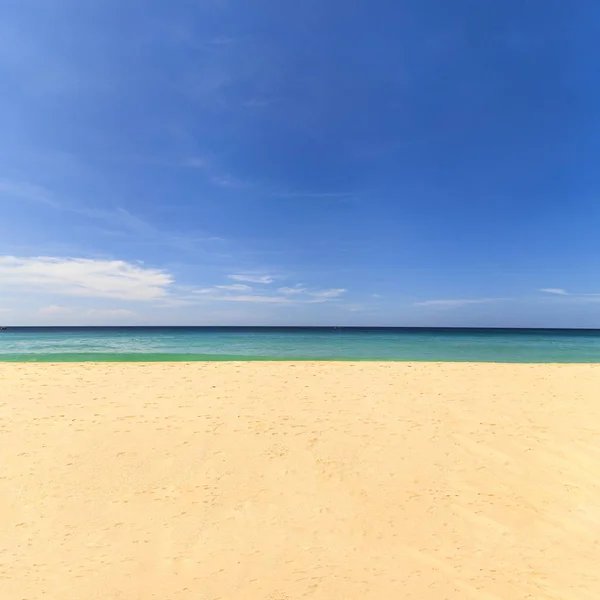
(417, 327)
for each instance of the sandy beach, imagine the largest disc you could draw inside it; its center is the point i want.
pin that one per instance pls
(278, 481)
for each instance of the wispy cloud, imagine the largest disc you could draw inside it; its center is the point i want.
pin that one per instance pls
(315, 295)
(261, 299)
(260, 102)
(124, 222)
(119, 220)
(334, 293)
(20, 190)
(85, 277)
(578, 297)
(252, 278)
(457, 303)
(212, 173)
(234, 287)
(286, 299)
(227, 181)
(340, 195)
(304, 294)
(297, 289)
(118, 217)
(297, 294)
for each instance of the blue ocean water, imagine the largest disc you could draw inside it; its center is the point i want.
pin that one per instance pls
(122, 344)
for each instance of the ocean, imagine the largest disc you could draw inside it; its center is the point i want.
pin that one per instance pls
(143, 344)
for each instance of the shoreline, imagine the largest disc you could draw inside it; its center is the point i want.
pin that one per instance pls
(253, 480)
(66, 359)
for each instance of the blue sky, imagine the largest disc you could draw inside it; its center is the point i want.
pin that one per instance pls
(406, 162)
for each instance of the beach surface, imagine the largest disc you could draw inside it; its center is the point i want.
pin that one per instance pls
(281, 481)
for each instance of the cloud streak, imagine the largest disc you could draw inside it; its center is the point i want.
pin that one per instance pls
(234, 287)
(339, 195)
(252, 278)
(19, 190)
(457, 303)
(578, 297)
(312, 295)
(297, 289)
(334, 293)
(256, 299)
(297, 294)
(116, 221)
(212, 174)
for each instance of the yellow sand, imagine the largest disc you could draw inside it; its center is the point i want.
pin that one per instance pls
(274, 481)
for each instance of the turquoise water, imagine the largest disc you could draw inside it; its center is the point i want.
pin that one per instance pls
(123, 344)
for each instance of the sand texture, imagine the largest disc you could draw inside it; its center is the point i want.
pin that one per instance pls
(279, 481)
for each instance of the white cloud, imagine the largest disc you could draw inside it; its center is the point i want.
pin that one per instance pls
(121, 280)
(334, 293)
(316, 295)
(250, 278)
(262, 299)
(456, 303)
(5, 310)
(85, 277)
(297, 289)
(557, 291)
(297, 294)
(234, 287)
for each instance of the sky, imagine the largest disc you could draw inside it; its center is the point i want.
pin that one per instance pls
(324, 162)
